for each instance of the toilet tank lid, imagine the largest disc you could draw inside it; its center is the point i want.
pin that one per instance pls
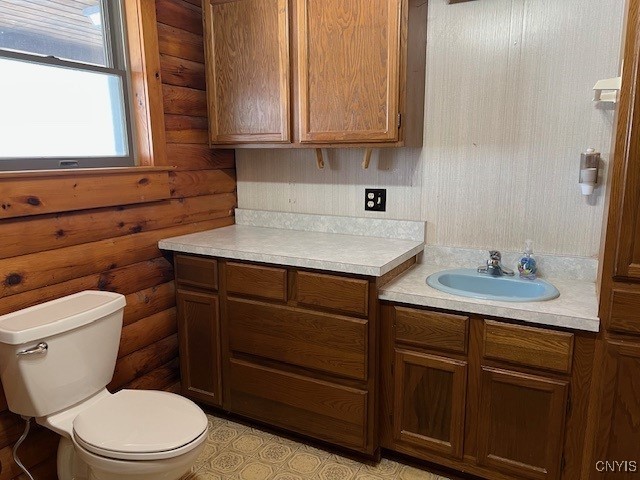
(58, 316)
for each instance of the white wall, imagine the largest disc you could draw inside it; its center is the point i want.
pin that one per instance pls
(508, 111)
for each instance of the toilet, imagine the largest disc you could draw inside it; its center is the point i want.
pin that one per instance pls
(56, 360)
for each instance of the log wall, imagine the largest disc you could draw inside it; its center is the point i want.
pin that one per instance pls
(67, 232)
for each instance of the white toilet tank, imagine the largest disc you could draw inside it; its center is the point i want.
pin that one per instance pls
(82, 337)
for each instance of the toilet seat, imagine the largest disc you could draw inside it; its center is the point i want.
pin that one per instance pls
(140, 425)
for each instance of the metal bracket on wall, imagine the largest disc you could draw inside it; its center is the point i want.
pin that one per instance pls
(319, 158)
(367, 158)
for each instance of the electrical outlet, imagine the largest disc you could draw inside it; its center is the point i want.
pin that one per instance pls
(375, 199)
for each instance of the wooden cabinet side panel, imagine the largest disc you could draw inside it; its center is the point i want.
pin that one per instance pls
(351, 95)
(248, 81)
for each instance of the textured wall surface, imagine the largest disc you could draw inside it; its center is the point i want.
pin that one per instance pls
(508, 111)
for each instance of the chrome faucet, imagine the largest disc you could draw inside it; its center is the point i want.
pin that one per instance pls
(494, 267)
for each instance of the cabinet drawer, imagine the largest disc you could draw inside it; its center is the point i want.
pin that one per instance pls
(533, 347)
(625, 315)
(323, 410)
(319, 341)
(439, 331)
(256, 281)
(333, 292)
(197, 272)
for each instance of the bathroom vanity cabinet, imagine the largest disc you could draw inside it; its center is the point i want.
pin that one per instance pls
(294, 348)
(296, 73)
(494, 398)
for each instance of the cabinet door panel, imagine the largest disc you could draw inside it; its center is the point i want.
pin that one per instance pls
(352, 93)
(619, 436)
(248, 71)
(521, 423)
(198, 330)
(429, 402)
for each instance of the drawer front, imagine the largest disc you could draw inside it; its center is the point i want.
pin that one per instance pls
(533, 347)
(323, 410)
(349, 295)
(256, 281)
(439, 331)
(625, 315)
(197, 272)
(319, 341)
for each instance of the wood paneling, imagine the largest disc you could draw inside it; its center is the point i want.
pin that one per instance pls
(439, 331)
(318, 341)
(350, 295)
(73, 231)
(625, 314)
(429, 403)
(256, 281)
(360, 75)
(521, 423)
(320, 409)
(248, 73)
(200, 346)
(199, 272)
(23, 197)
(533, 347)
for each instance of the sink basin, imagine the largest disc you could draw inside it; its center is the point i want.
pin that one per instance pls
(468, 282)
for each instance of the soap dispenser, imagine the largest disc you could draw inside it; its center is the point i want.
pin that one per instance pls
(527, 265)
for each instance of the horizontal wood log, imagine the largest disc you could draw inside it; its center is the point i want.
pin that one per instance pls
(182, 72)
(36, 270)
(180, 14)
(159, 379)
(199, 157)
(184, 101)
(180, 43)
(125, 280)
(185, 129)
(41, 445)
(202, 182)
(11, 427)
(46, 470)
(39, 195)
(149, 302)
(146, 331)
(143, 361)
(48, 232)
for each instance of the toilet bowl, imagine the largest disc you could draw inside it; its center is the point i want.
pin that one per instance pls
(55, 362)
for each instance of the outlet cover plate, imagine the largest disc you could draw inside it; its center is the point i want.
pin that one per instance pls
(375, 199)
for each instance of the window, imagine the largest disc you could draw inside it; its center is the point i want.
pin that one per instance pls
(63, 85)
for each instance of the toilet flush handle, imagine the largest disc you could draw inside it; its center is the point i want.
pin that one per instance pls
(38, 349)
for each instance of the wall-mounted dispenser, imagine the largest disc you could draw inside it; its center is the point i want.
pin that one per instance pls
(589, 164)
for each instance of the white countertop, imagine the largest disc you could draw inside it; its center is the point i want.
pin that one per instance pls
(372, 256)
(576, 307)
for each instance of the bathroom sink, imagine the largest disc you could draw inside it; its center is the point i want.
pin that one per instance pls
(468, 282)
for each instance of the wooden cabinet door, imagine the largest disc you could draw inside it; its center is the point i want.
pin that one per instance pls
(618, 439)
(348, 70)
(198, 332)
(429, 402)
(521, 423)
(247, 43)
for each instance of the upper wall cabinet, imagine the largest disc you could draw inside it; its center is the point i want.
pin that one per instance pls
(305, 73)
(247, 43)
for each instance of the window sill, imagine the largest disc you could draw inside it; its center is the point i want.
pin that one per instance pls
(74, 172)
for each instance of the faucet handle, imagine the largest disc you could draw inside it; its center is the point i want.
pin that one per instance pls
(495, 255)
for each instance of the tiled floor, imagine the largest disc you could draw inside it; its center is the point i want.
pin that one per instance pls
(237, 452)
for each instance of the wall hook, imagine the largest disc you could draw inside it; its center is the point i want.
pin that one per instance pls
(607, 90)
(367, 158)
(319, 158)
